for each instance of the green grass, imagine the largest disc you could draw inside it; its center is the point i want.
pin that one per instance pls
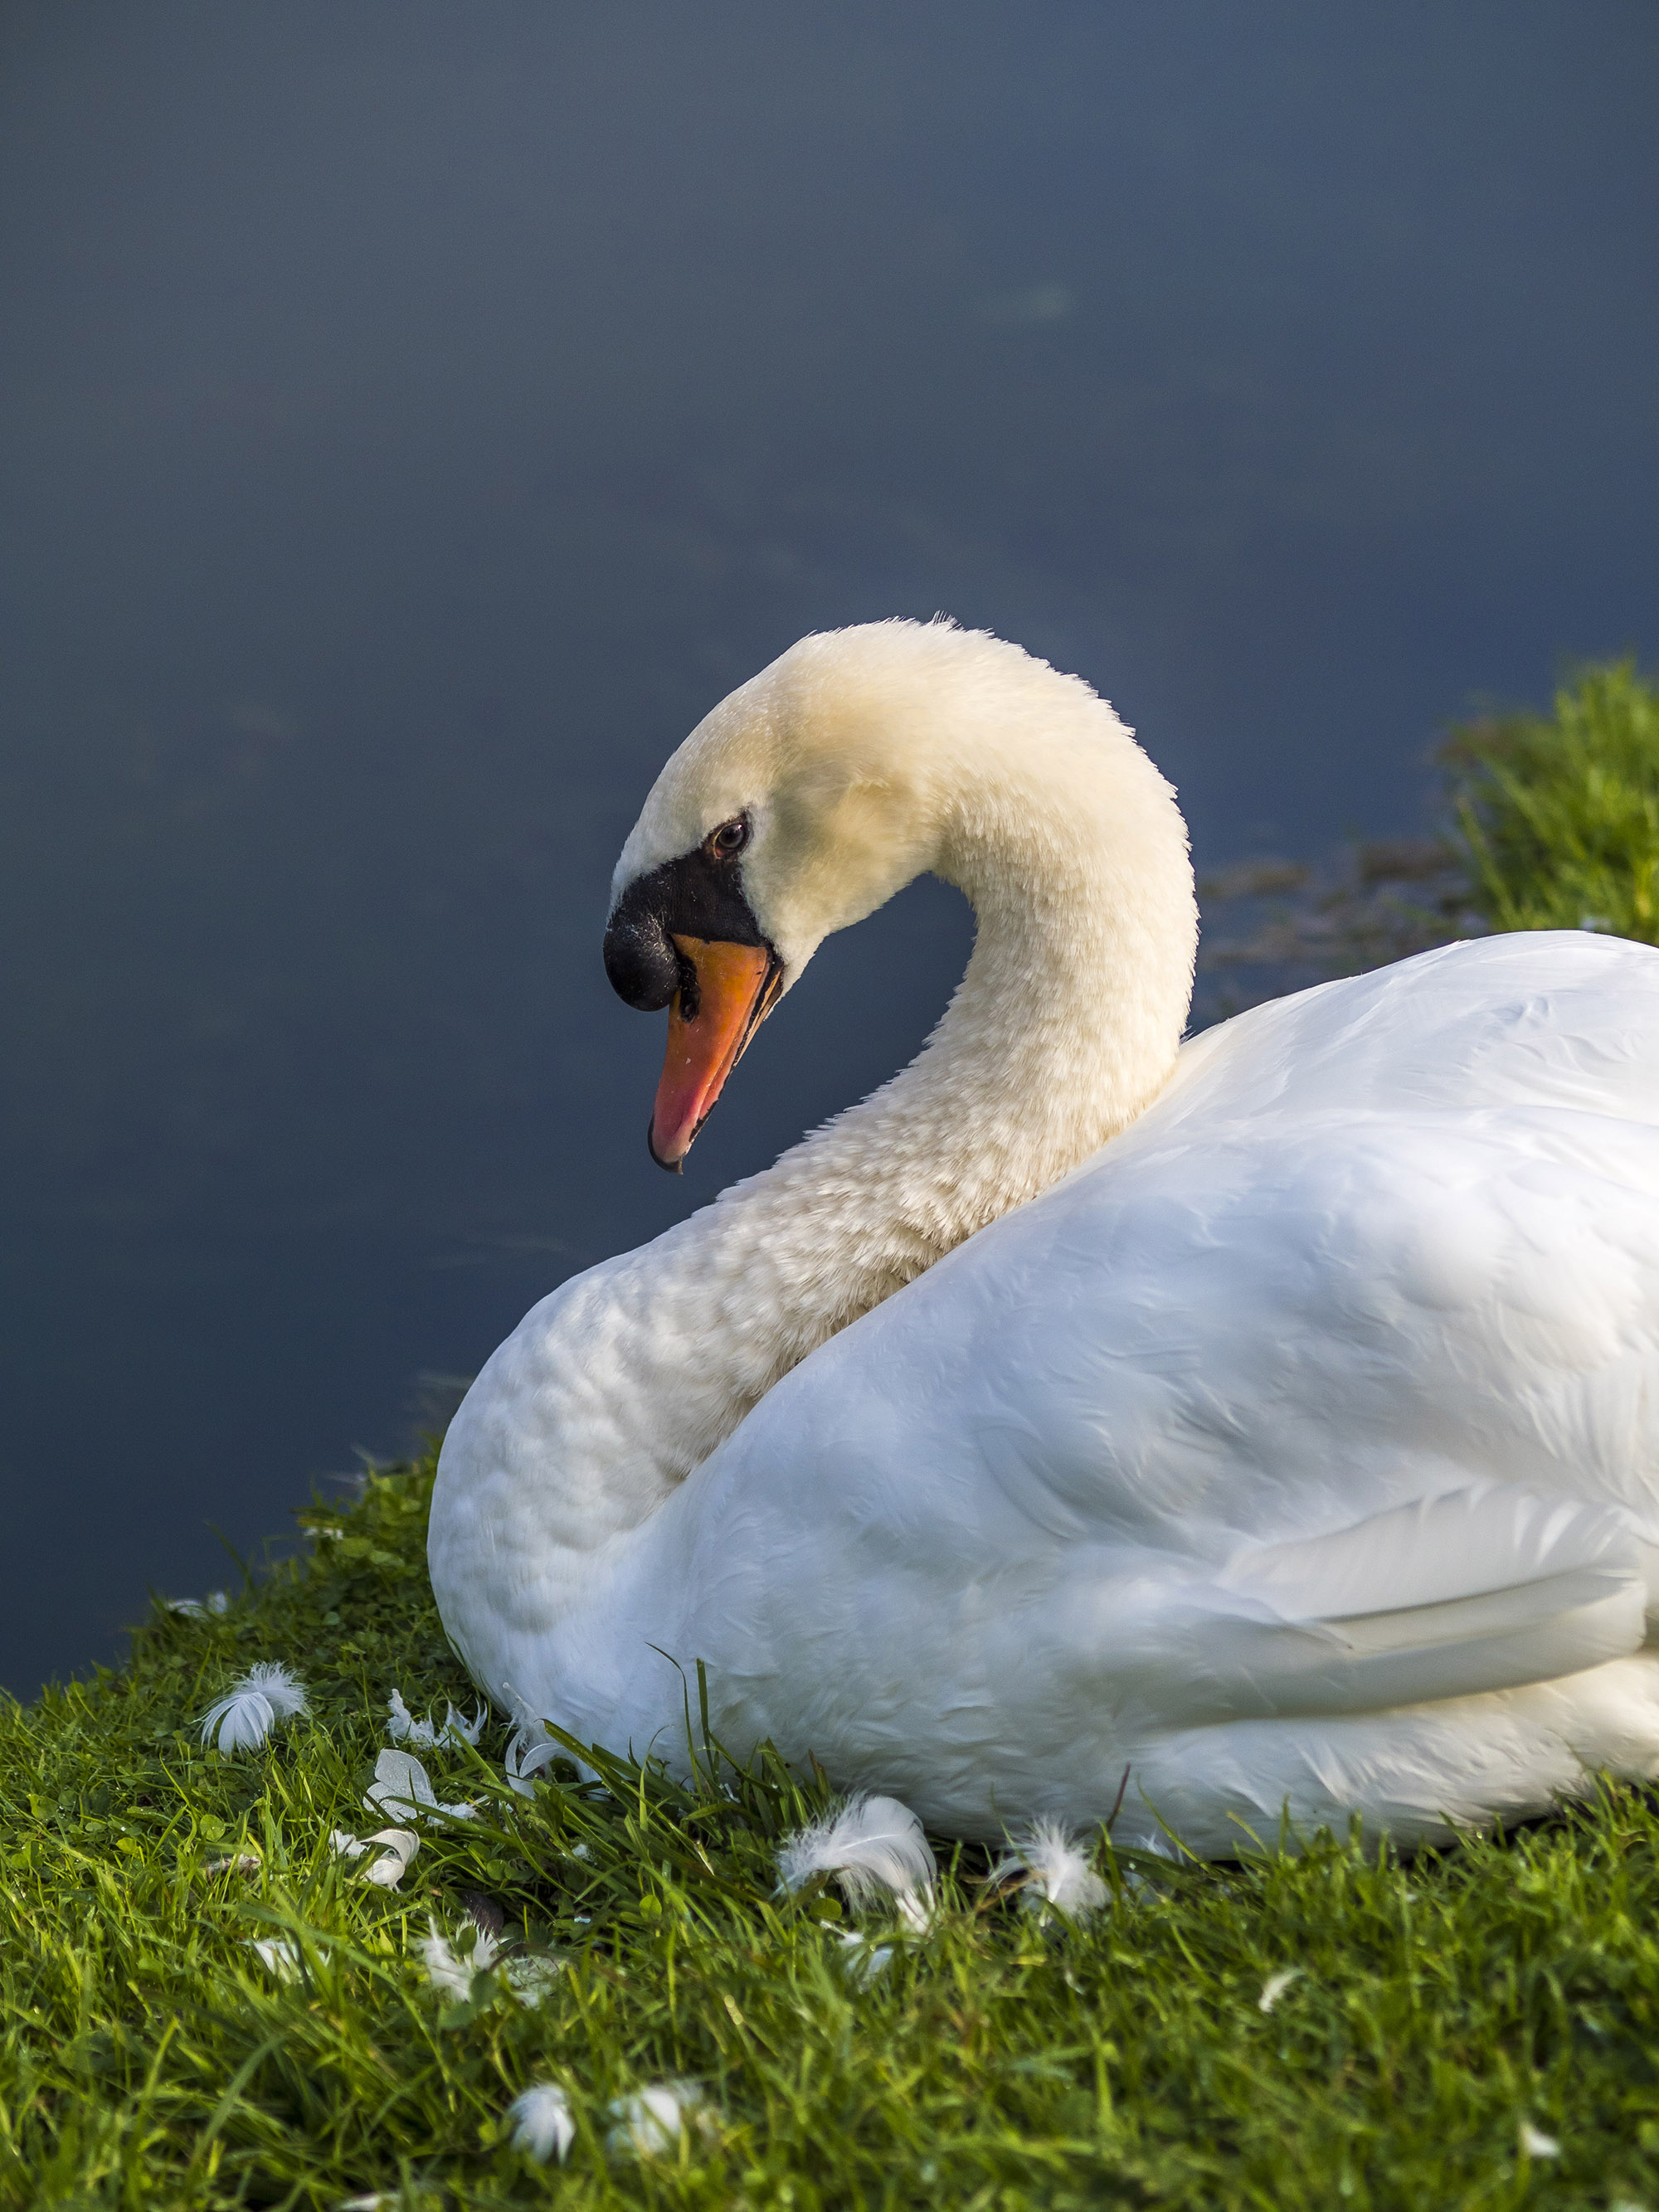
(151, 2059)
(1559, 813)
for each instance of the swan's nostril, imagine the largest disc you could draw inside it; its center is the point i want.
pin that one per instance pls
(641, 961)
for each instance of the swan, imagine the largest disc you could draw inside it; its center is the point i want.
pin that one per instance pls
(1273, 1415)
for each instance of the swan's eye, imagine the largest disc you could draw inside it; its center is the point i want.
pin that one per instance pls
(729, 840)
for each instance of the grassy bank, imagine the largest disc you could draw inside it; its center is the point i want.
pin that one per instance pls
(1479, 2029)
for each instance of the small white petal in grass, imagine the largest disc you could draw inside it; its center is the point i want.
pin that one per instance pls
(451, 1974)
(402, 1727)
(252, 1707)
(1275, 1986)
(543, 2125)
(872, 1844)
(650, 2121)
(402, 1786)
(1056, 1870)
(277, 1955)
(1536, 2143)
(216, 1601)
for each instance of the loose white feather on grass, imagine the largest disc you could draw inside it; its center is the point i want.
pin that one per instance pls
(544, 2126)
(402, 1788)
(650, 2123)
(530, 1753)
(278, 1956)
(864, 1962)
(450, 1973)
(424, 1735)
(531, 1977)
(252, 1707)
(244, 1862)
(528, 1976)
(1056, 1869)
(871, 1845)
(388, 1869)
(1275, 1986)
(216, 1601)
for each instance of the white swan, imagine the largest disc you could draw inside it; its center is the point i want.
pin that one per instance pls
(1298, 1448)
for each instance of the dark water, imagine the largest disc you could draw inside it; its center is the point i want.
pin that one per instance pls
(414, 418)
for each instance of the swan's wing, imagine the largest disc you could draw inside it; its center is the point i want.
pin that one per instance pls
(1482, 1588)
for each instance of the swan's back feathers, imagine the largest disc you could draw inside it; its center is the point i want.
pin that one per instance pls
(1477, 1590)
(1540, 1020)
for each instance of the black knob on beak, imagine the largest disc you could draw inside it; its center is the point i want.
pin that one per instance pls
(639, 958)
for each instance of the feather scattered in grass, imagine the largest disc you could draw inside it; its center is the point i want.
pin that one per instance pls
(252, 1707)
(1536, 2143)
(248, 1862)
(425, 1735)
(193, 1608)
(388, 1869)
(871, 1845)
(402, 1786)
(1275, 1986)
(530, 1753)
(650, 2123)
(279, 1956)
(543, 2126)
(864, 1962)
(531, 1977)
(452, 1974)
(1056, 1869)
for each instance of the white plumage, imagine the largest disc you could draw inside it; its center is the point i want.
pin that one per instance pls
(422, 1735)
(391, 1862)
(871, 1844)
(402, 1787)
(451, 1975)
(1274, 1414)
(252, 1707)
(650, 2123)
(543, 2124)
(1056, 1870)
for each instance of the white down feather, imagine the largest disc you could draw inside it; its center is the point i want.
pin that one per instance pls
(870, 1845)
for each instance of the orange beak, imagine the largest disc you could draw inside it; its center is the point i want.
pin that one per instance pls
(735, 987)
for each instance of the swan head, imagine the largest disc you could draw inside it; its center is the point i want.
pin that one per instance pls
(798, 806)
(812, 795)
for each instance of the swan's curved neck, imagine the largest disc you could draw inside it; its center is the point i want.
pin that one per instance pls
(1065, 1026)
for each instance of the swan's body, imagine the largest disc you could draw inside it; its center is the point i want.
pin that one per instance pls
(1298, 1448)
